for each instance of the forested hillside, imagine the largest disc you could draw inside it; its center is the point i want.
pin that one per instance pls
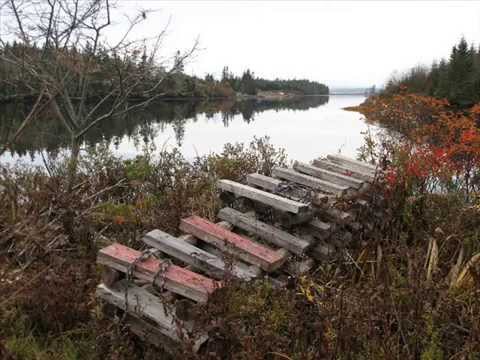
(456, 78)
(104, 65)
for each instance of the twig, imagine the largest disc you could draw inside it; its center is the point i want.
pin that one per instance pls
(106, 189)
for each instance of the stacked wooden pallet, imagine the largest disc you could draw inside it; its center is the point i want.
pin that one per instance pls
(289, 220)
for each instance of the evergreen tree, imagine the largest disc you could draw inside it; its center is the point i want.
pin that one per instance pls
(248, 83)
(226, 76)
(434, 78)
(457, 79)
(178, 63)
(442, 88)
(460, 74)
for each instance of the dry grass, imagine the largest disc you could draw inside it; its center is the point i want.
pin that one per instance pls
(410, 288)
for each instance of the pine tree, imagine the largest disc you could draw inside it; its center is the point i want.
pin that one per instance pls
(248, 83)
(461, 74)
(442, 88)
(178, 63)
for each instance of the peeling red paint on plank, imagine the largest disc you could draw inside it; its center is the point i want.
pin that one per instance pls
(151, 266)
(244, 244)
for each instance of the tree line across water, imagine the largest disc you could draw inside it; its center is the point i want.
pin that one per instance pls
(456, 78)
(104, 66)
(248, 84)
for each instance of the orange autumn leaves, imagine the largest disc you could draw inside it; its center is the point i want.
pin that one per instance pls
(442, 143)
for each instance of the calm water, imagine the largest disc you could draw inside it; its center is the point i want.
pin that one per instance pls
(306, 128)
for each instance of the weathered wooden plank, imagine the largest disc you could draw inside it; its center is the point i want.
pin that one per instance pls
(289, 220)
(282, 188)
(349, 162)
(331, 166)
(230, 259)
(310, 181)
(174, 278)
(194, 256)
(242, 247)
(265, 231)
(138, 301)
(327, 175)
(320, 229)
(263, 197)
(193, 240)
(265, 182)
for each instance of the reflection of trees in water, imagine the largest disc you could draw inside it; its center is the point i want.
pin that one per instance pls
(141, 126)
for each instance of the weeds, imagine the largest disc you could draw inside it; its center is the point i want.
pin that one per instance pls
(409, 288)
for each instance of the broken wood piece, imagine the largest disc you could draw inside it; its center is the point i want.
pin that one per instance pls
(242, 247)
(334, 167)
(264, 231)
(139, 302)
(310, 181)
(265, 182)
(171, 277)
(194, 256)
(328, 175)
(263, 197)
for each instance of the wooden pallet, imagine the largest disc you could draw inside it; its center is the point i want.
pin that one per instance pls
(302, 224)
(237, 245)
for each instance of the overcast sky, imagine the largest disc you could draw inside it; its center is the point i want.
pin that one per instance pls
(341, 43)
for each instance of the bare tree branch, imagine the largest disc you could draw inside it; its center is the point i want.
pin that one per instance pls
(37, 107)
(85, 79)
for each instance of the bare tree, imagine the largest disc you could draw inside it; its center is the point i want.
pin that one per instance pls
(62, 62)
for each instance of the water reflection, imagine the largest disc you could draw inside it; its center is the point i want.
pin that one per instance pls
(144, 126)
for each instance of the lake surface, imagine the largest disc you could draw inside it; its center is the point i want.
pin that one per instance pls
(307, 128)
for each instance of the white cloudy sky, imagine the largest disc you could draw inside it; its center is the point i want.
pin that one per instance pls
(341, 43)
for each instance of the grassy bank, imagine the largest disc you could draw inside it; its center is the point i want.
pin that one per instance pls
(408, 287)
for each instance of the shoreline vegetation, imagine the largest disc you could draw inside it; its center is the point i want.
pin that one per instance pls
(153, 81)
(416, 266)
(406, 287)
